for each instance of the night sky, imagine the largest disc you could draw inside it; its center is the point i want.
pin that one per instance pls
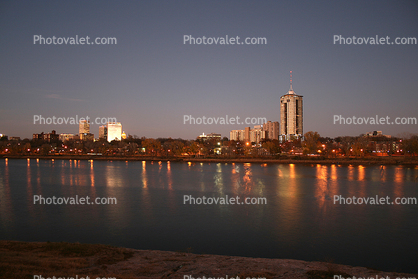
(149, 80)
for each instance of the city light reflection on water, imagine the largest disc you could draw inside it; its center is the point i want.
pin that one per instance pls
(300, 219)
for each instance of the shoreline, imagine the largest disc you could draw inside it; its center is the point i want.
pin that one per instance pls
(26, 259)
(398, 160)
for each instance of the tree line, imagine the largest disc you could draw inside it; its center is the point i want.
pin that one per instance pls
(312, 144)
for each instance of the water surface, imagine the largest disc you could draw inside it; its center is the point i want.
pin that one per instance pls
(299, 221)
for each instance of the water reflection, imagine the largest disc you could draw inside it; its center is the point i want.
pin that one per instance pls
(321, 189)
(172, 204)
(218, 179)
(292, 172)
(351, 173)
(334, 172)
(247, 182)
(6, 210)
(146, 203)
(399, 181)
(169, 176)
(144, 175)
(289, 204)
(29, 190)
(38, 179)
(361, 173)
(300, 214)
(92, 180)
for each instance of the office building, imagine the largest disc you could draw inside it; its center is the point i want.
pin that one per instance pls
(103, 132)
(114, 131)
(83, 129)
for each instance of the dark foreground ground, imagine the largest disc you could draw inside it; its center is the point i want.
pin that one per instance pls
(66, 260)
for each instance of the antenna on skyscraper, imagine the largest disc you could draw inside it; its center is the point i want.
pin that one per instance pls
(291, 89)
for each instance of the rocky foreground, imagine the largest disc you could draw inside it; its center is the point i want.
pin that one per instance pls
(74, 260)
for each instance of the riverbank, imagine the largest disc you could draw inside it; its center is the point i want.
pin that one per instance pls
(26, 259)
(395, 160)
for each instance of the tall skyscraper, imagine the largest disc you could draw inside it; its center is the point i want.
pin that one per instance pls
(114, 131)
(291, 114)
(83, 128)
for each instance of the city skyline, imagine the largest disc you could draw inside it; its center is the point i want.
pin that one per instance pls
(235, 139)
(150, 79)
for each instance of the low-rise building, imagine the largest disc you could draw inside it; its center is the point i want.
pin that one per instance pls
(49, 137)
(209, 136)
(66, 137)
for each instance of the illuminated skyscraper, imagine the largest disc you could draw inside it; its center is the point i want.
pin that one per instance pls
(83, 129)
(291, 114)
(114, 131)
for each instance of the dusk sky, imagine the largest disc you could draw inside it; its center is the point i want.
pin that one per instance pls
(150, 79)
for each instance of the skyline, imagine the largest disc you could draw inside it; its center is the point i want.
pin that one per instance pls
(150, 79)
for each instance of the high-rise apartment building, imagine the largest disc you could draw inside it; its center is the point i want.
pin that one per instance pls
(257, 134)
(237, 135)
(247, 134)
(291, 114)
(272, 130)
